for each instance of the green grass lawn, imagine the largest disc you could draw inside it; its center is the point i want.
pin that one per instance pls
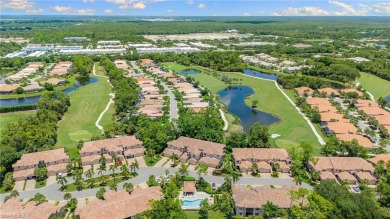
(7, 118)
(78, 123)
(72, 187)
(40, 184)
(212, 215)
(292, 127)
(375, 85)
(151, 162)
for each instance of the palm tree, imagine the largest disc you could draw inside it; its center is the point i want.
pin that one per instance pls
(67, 196)
(113, 169)
(62, 180)
(175, 160)
(113, 186)
(128, 187)
(276, 166)
(39, 198)
(136, 165)
(125, 172)
(270, 210)
(255, 168)
(102, 167)
(103, 179)
(183, 170)
(235, 176)
(298, 179)
(201, 168)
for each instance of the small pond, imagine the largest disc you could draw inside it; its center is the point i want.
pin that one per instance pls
(258, 74)
(234, 98)
(81, 81)
(388, 99)
(189, 72)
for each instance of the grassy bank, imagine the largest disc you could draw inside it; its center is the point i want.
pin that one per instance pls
(212, 215)
(292, 128)
(7, 118)
(375, 85)
(78, 123)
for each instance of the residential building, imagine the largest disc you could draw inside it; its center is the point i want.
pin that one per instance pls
(126, 146)
(61, 69)
(15, 208)
(195, 151)
(352, 90)
(332, 117)
(121, 64)
(120, 204)
(32, 88)
(359, 59)
(249, 201)
(304, 91)
(344, 168)
(380, 157)
(329, 91)
(55, 161)
(363, 141)
(54, 82)
(264, 157)
(8, 88)
(339, 128)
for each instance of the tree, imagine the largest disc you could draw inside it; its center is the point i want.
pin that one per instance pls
(113, 169)
(255, 168)
(201, 168)
(125, 172)
(204, 209)
(13, 194)
(183, 170)
(128, 187)
(254, 103)
(39, 198)
(175, 160)
(67, 196)
(235, 176)
(100, 193)
(62, 180)
(113, 186)
(102, 162)
(8, 182)
(48, 87)
(226, 204)
(258, 136)
(270, 210)
(382, 102)
(41, 172)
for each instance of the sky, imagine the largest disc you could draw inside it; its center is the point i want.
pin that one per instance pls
(198, 7)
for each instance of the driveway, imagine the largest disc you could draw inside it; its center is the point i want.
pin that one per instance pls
(30, 185)
(162, 162)
(51, 180)
(19, 185)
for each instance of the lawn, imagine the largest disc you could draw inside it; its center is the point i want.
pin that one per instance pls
(292, 129)
(78, 123)
(375, 85)
(212, 215)
(72, 187)
(7, 118)
(151, 162)
(40, 184)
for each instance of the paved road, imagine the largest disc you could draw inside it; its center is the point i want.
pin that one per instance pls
(52, 191)
(172, 103)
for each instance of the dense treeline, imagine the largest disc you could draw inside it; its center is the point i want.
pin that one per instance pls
(9, 47)
(34, 133)
(293, 81)
(82, 65)
(221, 61)
(125, 89)
(380, 68)
(7, 109)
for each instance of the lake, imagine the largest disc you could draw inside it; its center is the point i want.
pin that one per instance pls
(189, 72)
(258, 74)
(81, 81)
(388, 99)
(234, 98)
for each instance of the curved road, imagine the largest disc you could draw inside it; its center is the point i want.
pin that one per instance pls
(52, 191)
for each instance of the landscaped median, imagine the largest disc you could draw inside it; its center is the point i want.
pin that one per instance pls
(101, 181)
(292, 128)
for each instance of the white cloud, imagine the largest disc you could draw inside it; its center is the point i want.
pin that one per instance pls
(139, 5)
(108, 11)
(119, 2)
(34, 11)
(17, 4)
(382, 8)
(69, 10)
(190, 2)
(276, 14)
(169, 11)
(201, 5)
(62, 9)
(247, 14)
(87, 1)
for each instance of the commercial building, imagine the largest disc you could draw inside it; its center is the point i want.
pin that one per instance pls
(76, 39)
(167, 50)
(92, 51)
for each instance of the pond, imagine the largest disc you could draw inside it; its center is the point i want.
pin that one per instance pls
(189, 72)
(234, 98)
(258, 74)
(388, 99)
(81, 81)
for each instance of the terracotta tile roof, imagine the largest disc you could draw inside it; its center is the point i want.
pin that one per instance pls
(352, 90)
(33, 87)
(325, 108)
(374, 110)
(283, 165)
(364, 175)
(379, 157)
(14, 208)
(383, 119)
(302, 90)
(328, 91)
(134, 151)
(23, 174)
(92, 158)
(189, 186)
(8, 88)
(54, 81)
(196, 146)
(46, 156)
(260, 154)
(342, 128)
(342, 164)
(346, 176)
(119, 142)
(260, 195)
(146, 62)
(330, 116)
(209, 161)
(58, 168)
(264, 165)
(120, 204)
(168, 152)
(327, 175)
(362, 103)
(317, 101)
(363, 141)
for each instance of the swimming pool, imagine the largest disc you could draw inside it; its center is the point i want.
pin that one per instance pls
(192, 203)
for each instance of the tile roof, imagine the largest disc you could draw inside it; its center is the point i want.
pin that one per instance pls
(373, 110)
(54, 81)
(15, 208)
(189, 186)
(46, 156)
(111, 142)
(342, 127)
(363, 141)
(352, 90)
(328, 91)
(263, 165)
(325, 108)
(260, 195)
(260, 154)
(346, 176)
(209, 161)
(302, 90)
(364, 175)
(368, 103)
(196, 146)
(330, 116)
(342, 164)
(379, 157)
(327, 175)
(120, 204)
(318, 101)
(8, 88)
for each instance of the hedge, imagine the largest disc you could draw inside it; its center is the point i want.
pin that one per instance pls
(7, 109)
